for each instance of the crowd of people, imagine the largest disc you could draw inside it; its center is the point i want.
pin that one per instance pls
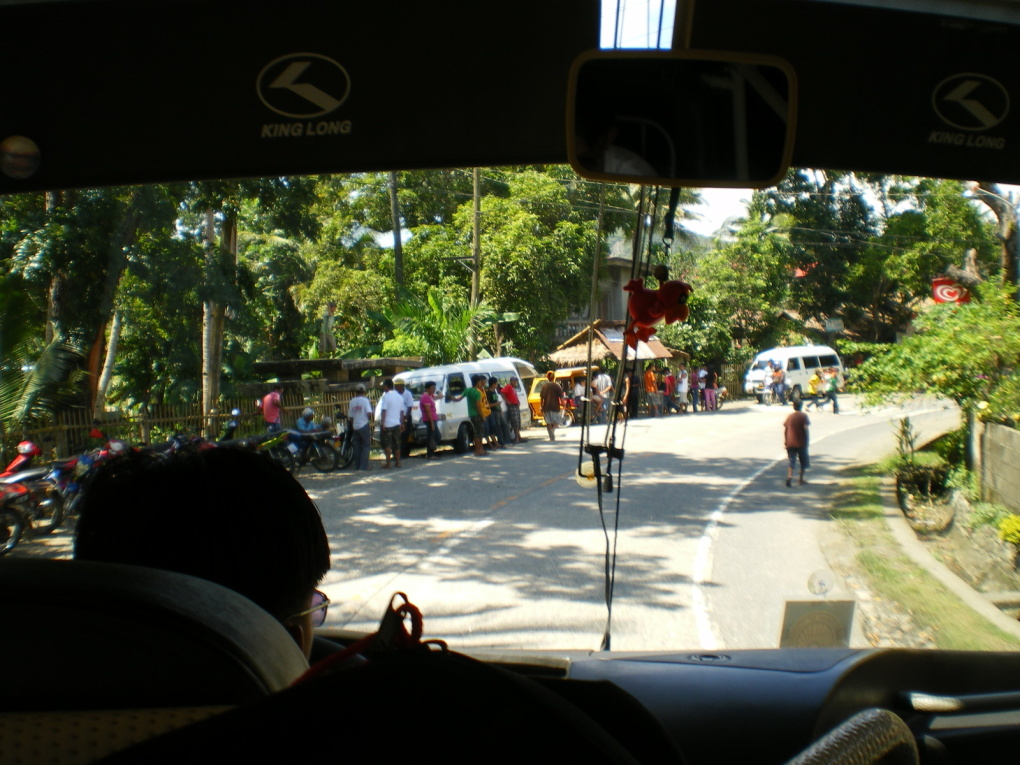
(668, 391)
(823, 387)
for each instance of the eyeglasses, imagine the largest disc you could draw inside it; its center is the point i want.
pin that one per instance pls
(320, 604)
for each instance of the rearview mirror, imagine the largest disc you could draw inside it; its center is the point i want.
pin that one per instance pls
(681, 118)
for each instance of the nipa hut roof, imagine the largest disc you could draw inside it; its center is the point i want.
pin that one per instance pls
(607, 341)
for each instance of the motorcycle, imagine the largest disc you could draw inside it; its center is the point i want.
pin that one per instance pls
(315, 446)
(31, 499)
(343, 442)
(231, 427)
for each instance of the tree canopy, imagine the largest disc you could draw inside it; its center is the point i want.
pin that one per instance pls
(229, 272)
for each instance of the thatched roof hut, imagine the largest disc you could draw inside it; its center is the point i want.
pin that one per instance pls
(606, 343)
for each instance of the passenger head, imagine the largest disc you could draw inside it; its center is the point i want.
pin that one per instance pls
(231, 516)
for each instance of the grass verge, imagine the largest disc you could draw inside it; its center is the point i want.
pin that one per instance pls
(858, 510)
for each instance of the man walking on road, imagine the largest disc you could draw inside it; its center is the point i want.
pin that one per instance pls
(795, 438)
(551, 394)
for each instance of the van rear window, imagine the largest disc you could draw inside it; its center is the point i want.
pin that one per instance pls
(831, 360)
(810, 362)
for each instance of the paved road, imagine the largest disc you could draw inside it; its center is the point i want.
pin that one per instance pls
(507, 550)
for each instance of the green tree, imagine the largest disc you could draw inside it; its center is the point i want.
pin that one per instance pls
(966, 352)
(439, 328)
(749, 280)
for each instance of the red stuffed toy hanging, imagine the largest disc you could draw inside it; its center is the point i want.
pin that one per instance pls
(648, 307)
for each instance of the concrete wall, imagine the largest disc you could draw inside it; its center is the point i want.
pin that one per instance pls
(1000, 465)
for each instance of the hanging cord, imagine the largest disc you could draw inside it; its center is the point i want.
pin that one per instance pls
(592, 308)
(628, 369)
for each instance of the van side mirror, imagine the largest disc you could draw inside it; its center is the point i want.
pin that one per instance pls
(681, 118)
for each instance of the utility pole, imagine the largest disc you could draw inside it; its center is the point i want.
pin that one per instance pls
(476, 246)
(476, 238)
(398, 252)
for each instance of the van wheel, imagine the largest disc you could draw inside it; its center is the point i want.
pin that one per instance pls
(795, 394)
(463, 440)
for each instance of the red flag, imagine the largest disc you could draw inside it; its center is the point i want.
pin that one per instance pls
(945, 290)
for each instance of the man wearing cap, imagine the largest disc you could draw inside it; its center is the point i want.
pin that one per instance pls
(360, 412)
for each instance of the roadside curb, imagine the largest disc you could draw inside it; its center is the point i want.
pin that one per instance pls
(918, 553)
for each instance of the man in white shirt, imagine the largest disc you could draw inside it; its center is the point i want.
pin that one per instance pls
(604, 383)
(391, 422)
(360, 412)
(408, 401)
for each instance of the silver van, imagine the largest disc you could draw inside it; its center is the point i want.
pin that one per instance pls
(451, 381)
(799, 362)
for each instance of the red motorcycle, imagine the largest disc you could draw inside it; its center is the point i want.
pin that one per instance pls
(30, 498)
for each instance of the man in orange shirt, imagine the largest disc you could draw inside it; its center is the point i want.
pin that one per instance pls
(652, 393)
(795, 438)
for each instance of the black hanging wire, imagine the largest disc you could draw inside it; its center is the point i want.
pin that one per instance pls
(610, 448)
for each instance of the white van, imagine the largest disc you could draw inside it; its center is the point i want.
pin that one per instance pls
(799, 361)
(452, 380)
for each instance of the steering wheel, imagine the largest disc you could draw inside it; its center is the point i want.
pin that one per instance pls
(872, 736)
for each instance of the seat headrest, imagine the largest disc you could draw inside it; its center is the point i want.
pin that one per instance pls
(85, 635)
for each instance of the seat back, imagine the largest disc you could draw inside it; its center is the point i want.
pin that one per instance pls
(80, 635)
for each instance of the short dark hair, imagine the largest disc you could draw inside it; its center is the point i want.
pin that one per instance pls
(387, 383)
(798, 404)
(493, 381)
(228, 515)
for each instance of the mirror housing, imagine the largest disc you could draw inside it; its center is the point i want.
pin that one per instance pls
(681, 118)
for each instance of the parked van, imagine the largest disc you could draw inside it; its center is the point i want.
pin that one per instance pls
(799, 361)
(454, 426)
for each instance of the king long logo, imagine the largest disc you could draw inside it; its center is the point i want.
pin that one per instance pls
(971, 101)
(303, 85)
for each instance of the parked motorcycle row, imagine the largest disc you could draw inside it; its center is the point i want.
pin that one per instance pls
(37, 499)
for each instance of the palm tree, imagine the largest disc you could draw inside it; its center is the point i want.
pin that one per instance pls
(36, 378)
(444, 328)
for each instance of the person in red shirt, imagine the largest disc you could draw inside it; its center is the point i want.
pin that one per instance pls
(795, 438)
(513, 408)
(429, 417)
(272, 409)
